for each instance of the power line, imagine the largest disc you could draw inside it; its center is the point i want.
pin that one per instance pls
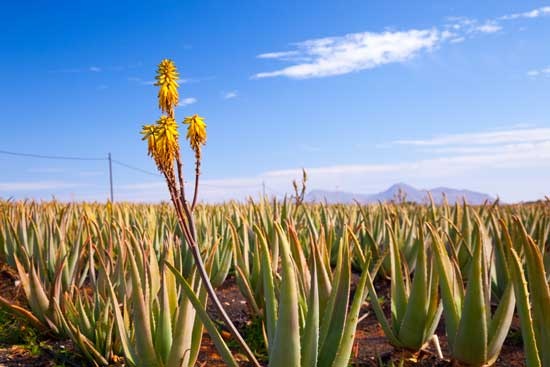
(76, 158)
(262, 185)
(29, 155)
(135, 168)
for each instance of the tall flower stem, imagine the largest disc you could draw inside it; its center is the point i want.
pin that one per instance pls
(197, 175)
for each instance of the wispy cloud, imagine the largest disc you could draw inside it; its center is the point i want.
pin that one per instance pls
(187, 101)
(468, 27)
(526, 135)
(487, 149)
(539, 72)
(35, 186)
(503, 157)
(354, 52)
(95, 69)
(535, 13)
(279, 55)
(489, 27)
(230, 95)
(457, 39)
(454, 159)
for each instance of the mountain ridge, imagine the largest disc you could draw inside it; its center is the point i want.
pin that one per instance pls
(399, 192)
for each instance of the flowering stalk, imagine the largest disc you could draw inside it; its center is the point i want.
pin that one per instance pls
(163, 146)
(196, 134)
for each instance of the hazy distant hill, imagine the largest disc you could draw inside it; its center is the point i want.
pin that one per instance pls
(392, 193)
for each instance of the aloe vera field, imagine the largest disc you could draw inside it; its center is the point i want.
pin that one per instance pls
(305, 285)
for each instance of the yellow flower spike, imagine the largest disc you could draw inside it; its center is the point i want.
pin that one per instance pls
(196, 132)
(148, 132)
(167, 80)
(162, 139)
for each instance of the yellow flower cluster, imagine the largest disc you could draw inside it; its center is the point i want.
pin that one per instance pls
(196, 132)
(162, 142)
(162, 137)
(167, 80)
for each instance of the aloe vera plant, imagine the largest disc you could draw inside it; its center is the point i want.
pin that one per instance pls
(48, 265)
(475, 336)
(533, 298)
(163, 333)
(247, 266)
(310, 326)
(415, 305)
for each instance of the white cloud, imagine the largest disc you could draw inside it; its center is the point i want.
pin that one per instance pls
(457, 166)
(187, 101)
(35, 186)
(525, 135)
(488, 149)
(435, 167)
(489, 27)
(278, 55)
(354, 52)
(535, 13)
(539, 72)
(461, 27)
(230, 95)
(457, 160)
(95, 69)
(458, 40)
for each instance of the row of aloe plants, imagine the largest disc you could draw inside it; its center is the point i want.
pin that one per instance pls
(119, 281)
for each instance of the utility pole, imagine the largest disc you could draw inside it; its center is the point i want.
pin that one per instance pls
(263, 189)
(111, 175)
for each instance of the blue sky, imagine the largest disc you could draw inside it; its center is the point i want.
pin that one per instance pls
(362, 94)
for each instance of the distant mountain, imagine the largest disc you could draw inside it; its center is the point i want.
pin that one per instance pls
(400, 190)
